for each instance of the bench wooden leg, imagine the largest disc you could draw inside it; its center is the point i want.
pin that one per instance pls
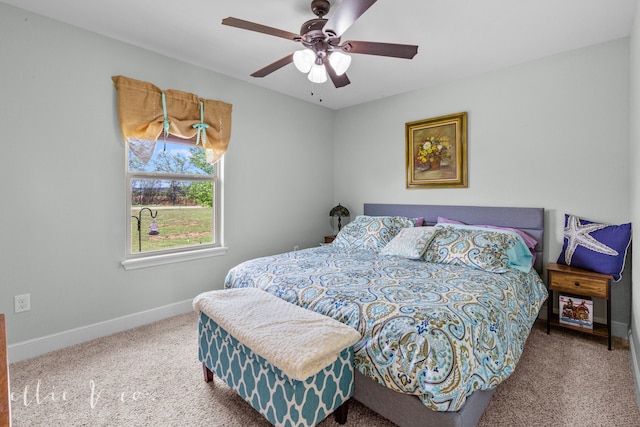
(208, 375)
(341, 413)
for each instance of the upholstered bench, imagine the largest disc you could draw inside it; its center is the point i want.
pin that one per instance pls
(294, 366)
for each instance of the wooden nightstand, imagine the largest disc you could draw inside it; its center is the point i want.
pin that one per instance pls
(329, 239)
(581, 283)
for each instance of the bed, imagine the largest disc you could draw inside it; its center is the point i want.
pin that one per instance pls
(439, 333)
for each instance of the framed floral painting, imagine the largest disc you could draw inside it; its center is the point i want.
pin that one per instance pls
(437, 152)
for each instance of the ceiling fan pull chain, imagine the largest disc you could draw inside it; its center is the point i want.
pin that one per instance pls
(201, 127)
(313, 86)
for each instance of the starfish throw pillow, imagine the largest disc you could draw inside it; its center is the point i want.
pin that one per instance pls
(595, 246)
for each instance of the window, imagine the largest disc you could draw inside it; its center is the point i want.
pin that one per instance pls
(173, 201)
(174, 190)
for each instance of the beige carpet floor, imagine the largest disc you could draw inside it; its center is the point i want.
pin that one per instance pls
(150, 376)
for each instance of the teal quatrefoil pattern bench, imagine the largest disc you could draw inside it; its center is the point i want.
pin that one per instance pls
(281, 400)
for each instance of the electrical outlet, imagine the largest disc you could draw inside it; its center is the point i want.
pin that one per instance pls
(22, 303)
(296, 247)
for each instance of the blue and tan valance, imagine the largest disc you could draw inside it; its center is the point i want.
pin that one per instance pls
(146, 113)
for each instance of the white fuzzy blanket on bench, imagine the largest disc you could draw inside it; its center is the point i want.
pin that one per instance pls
(299, 342)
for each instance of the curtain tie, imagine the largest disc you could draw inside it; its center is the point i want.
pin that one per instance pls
(201, 127)
(165, 124)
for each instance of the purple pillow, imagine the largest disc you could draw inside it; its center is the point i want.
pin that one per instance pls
(417, 222)
(595, 246)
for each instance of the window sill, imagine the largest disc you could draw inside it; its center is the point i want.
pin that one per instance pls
(155, 260)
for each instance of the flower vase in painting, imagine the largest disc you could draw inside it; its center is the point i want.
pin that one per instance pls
(432, 153)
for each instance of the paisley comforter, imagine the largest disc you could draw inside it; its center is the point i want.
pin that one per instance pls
(438, 331)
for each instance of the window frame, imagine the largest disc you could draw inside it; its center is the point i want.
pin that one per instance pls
(134, 260)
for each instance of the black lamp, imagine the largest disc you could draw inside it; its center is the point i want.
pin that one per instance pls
(339, 211)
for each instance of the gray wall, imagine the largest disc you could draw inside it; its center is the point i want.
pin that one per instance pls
(62, 165)
(634, 160)
(552, 133)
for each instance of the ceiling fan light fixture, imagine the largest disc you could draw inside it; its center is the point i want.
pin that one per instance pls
(303, 60)
(318, 74)
(340, 62)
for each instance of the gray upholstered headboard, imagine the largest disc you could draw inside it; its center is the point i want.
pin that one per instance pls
(529, 220)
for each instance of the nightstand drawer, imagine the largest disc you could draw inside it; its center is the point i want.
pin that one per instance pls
(579, 284)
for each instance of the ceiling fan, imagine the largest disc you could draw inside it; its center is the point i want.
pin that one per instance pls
(323, 53)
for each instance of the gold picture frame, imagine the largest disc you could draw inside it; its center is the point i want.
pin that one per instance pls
(437, 152)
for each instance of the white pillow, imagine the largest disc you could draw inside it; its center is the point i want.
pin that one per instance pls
(410, 242)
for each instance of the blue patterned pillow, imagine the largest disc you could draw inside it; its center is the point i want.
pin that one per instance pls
(410, 242)
(370, 232)
(595, 246)
(484, 249)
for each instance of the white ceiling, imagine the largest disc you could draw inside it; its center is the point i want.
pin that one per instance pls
(456, 38)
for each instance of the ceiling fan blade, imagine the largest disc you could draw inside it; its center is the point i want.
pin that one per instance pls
(346, 13)
(382, 49)
(274, 66)
(338, 81)
(252, 26)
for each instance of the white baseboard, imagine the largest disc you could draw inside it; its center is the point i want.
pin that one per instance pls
(635, 371)
(38, 346)
(618, 329)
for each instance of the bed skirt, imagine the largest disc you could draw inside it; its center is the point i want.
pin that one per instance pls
(407, 410)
